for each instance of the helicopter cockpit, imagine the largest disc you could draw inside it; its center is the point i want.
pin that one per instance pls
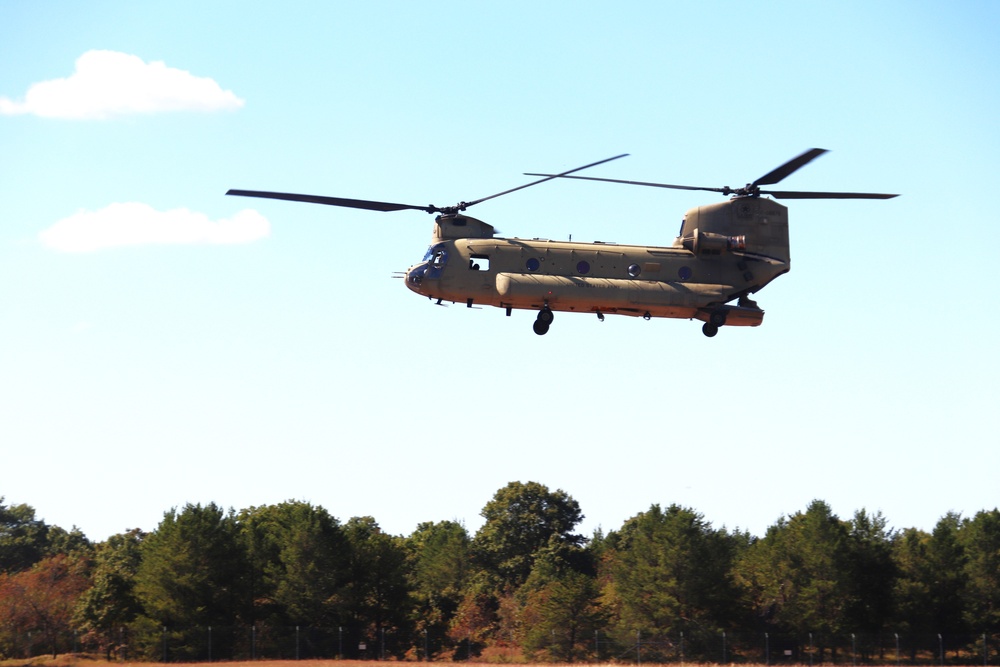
(429, 268)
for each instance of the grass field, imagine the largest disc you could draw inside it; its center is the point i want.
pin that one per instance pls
(80, 660)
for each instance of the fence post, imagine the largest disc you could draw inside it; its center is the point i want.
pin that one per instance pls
(682, 648)
(296, 642)
(854, 650)
(941, 647)
(210, 643)
(723, 647)
(164, 643)
(897, 647)
(638, 644)
(810, 649)
(767, 649)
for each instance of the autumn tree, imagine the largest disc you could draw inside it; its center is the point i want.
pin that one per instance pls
(39, 603)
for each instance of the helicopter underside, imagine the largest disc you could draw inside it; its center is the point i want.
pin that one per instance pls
(547, 294)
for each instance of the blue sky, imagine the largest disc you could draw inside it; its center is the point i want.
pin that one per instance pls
(161, 343)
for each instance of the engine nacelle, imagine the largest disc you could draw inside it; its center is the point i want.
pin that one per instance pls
(710, 243)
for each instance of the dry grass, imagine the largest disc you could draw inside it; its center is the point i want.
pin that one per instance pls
(83, 660)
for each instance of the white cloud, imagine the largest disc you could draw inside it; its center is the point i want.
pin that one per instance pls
(109, 83)
(133, 223)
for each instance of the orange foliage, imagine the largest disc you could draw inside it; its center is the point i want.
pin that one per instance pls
(40, 601)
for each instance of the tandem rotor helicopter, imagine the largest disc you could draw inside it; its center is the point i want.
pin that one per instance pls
(724, 252)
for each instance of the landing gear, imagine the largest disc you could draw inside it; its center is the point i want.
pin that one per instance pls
(709, 329)
(542, 322)
(717, 319)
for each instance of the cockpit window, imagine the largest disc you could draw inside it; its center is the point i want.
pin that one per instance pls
(436, 255)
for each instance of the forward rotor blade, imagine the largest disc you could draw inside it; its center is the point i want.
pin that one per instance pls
(644, 183)
(789, 167)
(332, 201)
(548, 177)
(826, 195)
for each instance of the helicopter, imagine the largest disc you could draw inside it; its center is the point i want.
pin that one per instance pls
(723, 253)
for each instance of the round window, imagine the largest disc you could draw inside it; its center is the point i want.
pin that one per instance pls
(533, 264)
(634, 270)
(684, 272)
(583, 267)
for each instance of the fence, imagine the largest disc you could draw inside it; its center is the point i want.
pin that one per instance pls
(264, 642)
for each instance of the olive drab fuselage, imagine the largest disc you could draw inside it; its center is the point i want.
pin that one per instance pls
(724, 252)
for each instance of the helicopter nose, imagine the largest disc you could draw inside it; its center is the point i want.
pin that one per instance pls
(415, 277)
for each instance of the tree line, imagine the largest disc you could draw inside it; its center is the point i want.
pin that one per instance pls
(290, 580)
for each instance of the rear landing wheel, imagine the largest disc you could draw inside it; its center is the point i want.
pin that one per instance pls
(545, 315)
(709, 329)
(540, 328)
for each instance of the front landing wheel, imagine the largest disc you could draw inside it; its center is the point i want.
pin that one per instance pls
(709, 329)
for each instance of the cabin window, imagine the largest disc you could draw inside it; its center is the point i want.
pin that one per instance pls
(684, 273)
(533, 264)
(440, 256)
(479, 263)
(583, 267)
(634, 270)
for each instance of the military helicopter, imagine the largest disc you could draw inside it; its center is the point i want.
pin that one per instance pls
(724, 252)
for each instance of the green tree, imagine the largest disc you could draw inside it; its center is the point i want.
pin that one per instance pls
(913, 608)
(980, 537)
(111, 602)
(947, 576)
(670, 573)
(192, 576)
(299, 559)
(439, 567)
(559, 617)
(872, 574)
(796, 578)
(520, 520)
(23, 538)
(377, 595)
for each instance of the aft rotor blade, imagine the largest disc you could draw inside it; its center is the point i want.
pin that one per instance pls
(826, 195)
(615, 180)
(332, 201)
(548, 177)
(789, 167)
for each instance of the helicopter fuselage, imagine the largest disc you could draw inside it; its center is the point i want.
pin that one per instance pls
(725, 251)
